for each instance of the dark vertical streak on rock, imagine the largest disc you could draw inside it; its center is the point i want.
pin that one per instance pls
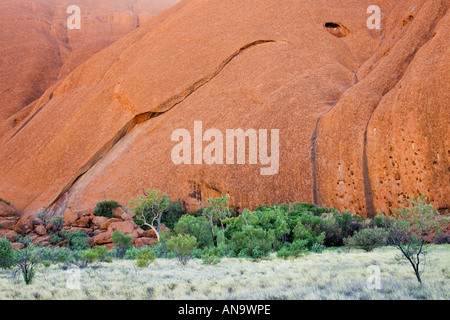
(368, 193)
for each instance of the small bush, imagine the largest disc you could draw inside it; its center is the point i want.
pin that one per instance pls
(145, 256)
(317, 247)
(122, 243)
(244, 242)
(368, 239)
(295, 249)
(212, 255)
(6, 254)
(197, 227)
(76, 240)
(57, 221)
(26, 261)
(285, 252)
(131, 253)
(182, 246)
(55, 239)
(105, 208)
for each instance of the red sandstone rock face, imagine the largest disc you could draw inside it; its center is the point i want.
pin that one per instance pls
(37, 49)
(363, 114)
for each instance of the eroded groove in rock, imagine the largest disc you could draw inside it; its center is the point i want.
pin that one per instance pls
(178, 98)
(146, 116)
(93, 160)
(368, 193)
(31, 117)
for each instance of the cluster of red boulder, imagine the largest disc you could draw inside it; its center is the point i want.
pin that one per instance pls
(40, 229)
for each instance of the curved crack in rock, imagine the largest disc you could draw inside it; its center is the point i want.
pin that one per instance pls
(143, 117)
(31, 117)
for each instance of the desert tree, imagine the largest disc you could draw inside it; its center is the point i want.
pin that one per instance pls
(217, 210)
(150, 208)
(26, 261)
(409, 229)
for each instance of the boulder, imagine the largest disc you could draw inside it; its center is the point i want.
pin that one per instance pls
(103, 238)
(149, 234)
(140, 242)
(137, 233)
(7, 210)
(42, 240)
(70, 217)
(18, 245)
(105, 225)
(40, 230)
(7, 224)
(81, 223)
(23, 226)
(125, 227)
(120, 213)
(98, 221)
(9, 234)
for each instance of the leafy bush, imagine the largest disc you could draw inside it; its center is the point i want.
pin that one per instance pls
(26, 261)
(182, 246)
(122, 243)
(212, 255)
(294, 249)
(131, 253)
(57, 221)
(368, 239)
(105, 208)
(76, 240)
(55, 239)
(301, 232)
(244, 243)
(197, 227)
(145, 256)
(160, 248)
(173, 213)
(6, 254)
(7, 202)
(317, 247)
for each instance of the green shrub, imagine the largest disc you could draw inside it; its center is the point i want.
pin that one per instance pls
(105, 208)
(6, 254)
(317, 247)
(122, 243)
(295, 249)
(285, 252)
(76, 240)
(57, 221)
(198, 227)
(55, 239)
(244, 243)
(368, 239)
(308, 235)
(145, 256)
(212, 255)
(182, 246)
(46, 263)
(173, 213)
(131, 253)
(101, 252)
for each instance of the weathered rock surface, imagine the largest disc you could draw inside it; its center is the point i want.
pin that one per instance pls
(37, 49)
(363, 114)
